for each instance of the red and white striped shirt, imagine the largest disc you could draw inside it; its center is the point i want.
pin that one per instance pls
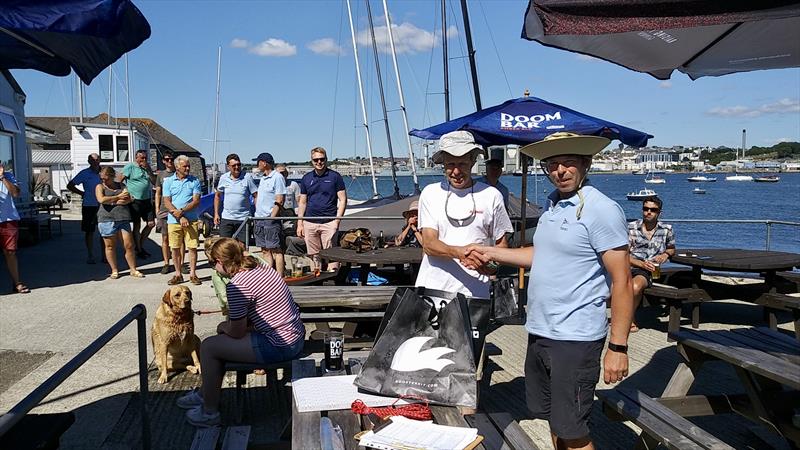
(261, 295)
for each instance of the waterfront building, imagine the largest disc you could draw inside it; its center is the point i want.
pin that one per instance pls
(13, 151)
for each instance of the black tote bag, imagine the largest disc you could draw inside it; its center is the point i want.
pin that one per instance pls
(424, 348)
(505, 298)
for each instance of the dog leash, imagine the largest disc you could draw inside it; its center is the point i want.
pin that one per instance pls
(200, 312)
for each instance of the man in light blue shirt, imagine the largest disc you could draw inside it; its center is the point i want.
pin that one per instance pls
(494, 169)
(237, 188)
(9, 227)
(269, 201)
(181, 195)
(578, 261)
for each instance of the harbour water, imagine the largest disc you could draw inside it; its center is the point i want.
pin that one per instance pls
(724, 200)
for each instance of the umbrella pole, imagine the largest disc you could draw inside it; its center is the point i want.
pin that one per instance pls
(522, 215)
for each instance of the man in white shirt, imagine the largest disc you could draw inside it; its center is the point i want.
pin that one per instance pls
(456, 213)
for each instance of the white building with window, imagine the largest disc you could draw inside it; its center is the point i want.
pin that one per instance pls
(14, 153)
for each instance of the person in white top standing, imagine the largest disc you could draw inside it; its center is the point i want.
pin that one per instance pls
(455, 213)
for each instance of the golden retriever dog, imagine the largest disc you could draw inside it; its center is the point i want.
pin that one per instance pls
(174, 343)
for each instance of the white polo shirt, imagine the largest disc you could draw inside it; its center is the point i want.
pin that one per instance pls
(490, 223)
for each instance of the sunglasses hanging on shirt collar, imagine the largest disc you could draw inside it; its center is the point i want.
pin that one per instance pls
(467, 220)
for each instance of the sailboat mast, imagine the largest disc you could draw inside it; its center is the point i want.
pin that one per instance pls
(383, 101)
(402, 98)
(471, 52)
(110, 92)
(363, 106)
(216, 123)
(128, 91)
(445, 63)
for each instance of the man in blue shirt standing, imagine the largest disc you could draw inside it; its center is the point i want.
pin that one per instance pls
(89, 178)
(578, 261)
(237, 187)
(322, 194)
(181, 195)
(269, 201)
(494, 169)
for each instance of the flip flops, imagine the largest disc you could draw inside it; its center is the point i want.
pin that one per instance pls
(137, 274)
(114, 275)
(20, 288)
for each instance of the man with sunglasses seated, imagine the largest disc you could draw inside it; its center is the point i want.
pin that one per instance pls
(455, 213)
(651, 243)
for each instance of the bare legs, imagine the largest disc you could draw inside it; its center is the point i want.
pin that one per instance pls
(274, 258)
(571, 444)
(13, 268)
(639, 285)
(214, 352)
(110, 244)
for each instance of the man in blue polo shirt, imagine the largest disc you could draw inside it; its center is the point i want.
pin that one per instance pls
(181, 196)
(322, 194)
(269, 201)
(578, 261)
(237, 187)
(89, 178)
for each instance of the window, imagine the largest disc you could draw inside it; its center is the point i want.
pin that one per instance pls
(122, 148)
(106, 147)
(8, 122)
(7, 151)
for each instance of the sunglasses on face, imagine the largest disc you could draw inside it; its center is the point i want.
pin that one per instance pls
(235, 165)
(646, 209)
(318, 160)
(167, 159)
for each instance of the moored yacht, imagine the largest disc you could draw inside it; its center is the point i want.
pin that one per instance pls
(737, 177)
(642, 194)
(701, 179)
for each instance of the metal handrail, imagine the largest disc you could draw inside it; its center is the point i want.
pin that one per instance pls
(138, 313)
(766, 222)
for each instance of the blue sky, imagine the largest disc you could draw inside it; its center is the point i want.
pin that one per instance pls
(289, 84)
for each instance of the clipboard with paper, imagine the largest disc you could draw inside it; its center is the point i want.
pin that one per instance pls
(401, 433)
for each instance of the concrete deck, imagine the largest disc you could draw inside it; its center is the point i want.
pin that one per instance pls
(72, 303)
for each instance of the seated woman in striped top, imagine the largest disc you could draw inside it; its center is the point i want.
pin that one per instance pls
(263, 327)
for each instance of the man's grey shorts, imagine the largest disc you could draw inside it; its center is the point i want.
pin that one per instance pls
(268, 234)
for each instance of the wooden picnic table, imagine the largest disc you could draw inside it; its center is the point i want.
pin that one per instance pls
(767, 363)
(306, 425)
(737, 260)
(396, 256)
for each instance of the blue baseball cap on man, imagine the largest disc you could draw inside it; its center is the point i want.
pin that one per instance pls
(266, 157)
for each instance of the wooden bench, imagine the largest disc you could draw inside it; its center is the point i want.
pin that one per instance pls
(773, 303)
(659, 424)
(501, 431)
(675, 298)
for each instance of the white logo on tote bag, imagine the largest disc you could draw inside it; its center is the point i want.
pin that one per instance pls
(410, 357)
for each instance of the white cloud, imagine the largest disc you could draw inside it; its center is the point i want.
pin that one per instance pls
(408, 38)
(325, 46)
(240, 43)
(273, 47)
(782, 106)
(666, 84)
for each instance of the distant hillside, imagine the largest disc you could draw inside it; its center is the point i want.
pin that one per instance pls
(783, 150)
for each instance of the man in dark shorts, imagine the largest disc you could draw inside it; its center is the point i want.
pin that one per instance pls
(89, 178)
(140, 179)
(579, 263)
(168, 158)
(652, 243)
(269, 201)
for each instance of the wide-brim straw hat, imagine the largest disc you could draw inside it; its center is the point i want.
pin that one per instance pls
(456, 143)
(563, 143)
(414, 206)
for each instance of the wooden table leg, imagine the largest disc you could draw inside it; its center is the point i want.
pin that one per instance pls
(363, 274)
(684, 375)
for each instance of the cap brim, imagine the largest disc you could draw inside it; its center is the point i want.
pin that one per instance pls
(438, 157)
(575, 145)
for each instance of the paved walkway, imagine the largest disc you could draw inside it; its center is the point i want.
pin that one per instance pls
(72, 303)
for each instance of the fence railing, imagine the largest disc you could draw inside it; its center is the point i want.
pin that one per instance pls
(767, 223)
(138, 313)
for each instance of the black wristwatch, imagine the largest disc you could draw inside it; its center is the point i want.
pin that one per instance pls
(618, 348)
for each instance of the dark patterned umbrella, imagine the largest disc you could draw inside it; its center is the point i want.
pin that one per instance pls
(697, 37)
(54, 36)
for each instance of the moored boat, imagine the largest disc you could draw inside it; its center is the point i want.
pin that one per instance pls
(738, 177)
(701, 179)
(641, 195)
(767, 179)
(698, 191)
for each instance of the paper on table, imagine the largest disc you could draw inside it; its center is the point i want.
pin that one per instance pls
(335, 392)
(403, 433)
